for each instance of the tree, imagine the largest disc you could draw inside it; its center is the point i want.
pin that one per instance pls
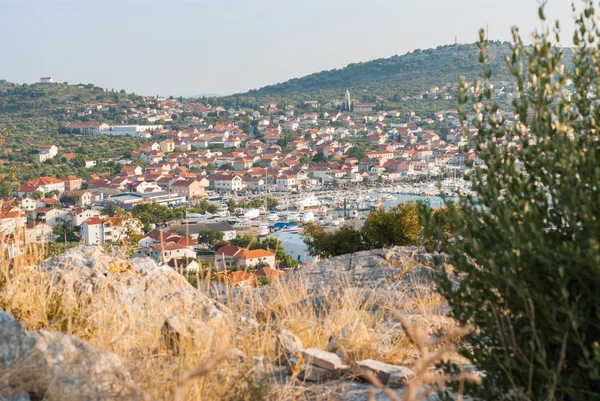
(319, 158)
(400, 226)
(526, 247)
(210, 237)
(231, 205)
(323, 244)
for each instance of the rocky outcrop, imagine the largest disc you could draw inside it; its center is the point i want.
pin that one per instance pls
(56, 367)
(377, 268)
(316, 365)
(138, 283)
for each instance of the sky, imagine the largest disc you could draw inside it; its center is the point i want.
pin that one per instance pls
(192, 47)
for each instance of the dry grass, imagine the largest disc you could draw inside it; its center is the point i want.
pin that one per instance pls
(204, 369)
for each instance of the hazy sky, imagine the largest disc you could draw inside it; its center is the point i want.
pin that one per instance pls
(187, 47)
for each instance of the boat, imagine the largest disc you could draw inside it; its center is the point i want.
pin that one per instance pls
(273, 216)
(223, 211)
(263, 230)
(251, 214)
(284, 225)
(308, 217)
(292, 217)
(353, 214)
(309, 201)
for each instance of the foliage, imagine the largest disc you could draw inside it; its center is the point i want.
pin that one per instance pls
(152, 213)
(399, 226)
(66, 233)
(203, 207)
(324, 244)
(527, 246)
(210, 237)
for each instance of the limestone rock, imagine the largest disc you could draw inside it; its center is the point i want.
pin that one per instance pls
(176, 331)
(400, 377)
(54, 366)
(323, 359)
(385, 371)
(314, 373)
(111, 278)
(287, 343)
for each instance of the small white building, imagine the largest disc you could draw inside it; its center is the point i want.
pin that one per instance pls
(47, 152)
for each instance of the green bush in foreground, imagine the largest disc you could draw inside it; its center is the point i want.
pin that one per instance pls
(527, 248)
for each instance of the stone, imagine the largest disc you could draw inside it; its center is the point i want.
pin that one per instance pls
(400, 377)
(176, 331)
(54, 366)
(323, 359)
(384, 372)
(112, 278)
(314, 373)
(287, 343)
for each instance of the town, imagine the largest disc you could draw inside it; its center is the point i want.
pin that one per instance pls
(260, 172)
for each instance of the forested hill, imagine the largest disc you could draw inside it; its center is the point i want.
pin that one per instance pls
(408, 74)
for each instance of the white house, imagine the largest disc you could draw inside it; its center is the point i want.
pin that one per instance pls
(225, 183)
(286, 182)
(98, 231)
(47, 152)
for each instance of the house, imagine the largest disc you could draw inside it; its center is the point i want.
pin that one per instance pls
(253, 183)
(286, 182)
(12, 219)
(167, 146)
(52, 217)
(271, 274)
(78, 215)
(47, 152)
(98, 231)
(188, 187)
(184, 265)
(27, 203)
(72, 182)
(166, 251)
(88, 128)
(43, 185)
(238, 278)
(90, 163)
(131, 170)
(81, 197)
(38, 232)
(224, 183)
(359, 107)
(234, 256)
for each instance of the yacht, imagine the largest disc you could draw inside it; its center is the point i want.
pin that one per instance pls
(308, 217)
(273, 216)
(310, 201)
(263, 230)
(251, 214)
(223, 211)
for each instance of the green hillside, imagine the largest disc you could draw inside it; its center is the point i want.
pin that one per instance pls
(32, 115)
(408, 74)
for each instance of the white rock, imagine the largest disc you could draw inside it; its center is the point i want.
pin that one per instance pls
(385, 371)
(323, 359)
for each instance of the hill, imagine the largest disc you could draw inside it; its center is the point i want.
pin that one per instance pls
(404, 75)
(34, 114)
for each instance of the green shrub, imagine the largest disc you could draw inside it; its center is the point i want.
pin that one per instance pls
(527, 247)
(399, 226)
